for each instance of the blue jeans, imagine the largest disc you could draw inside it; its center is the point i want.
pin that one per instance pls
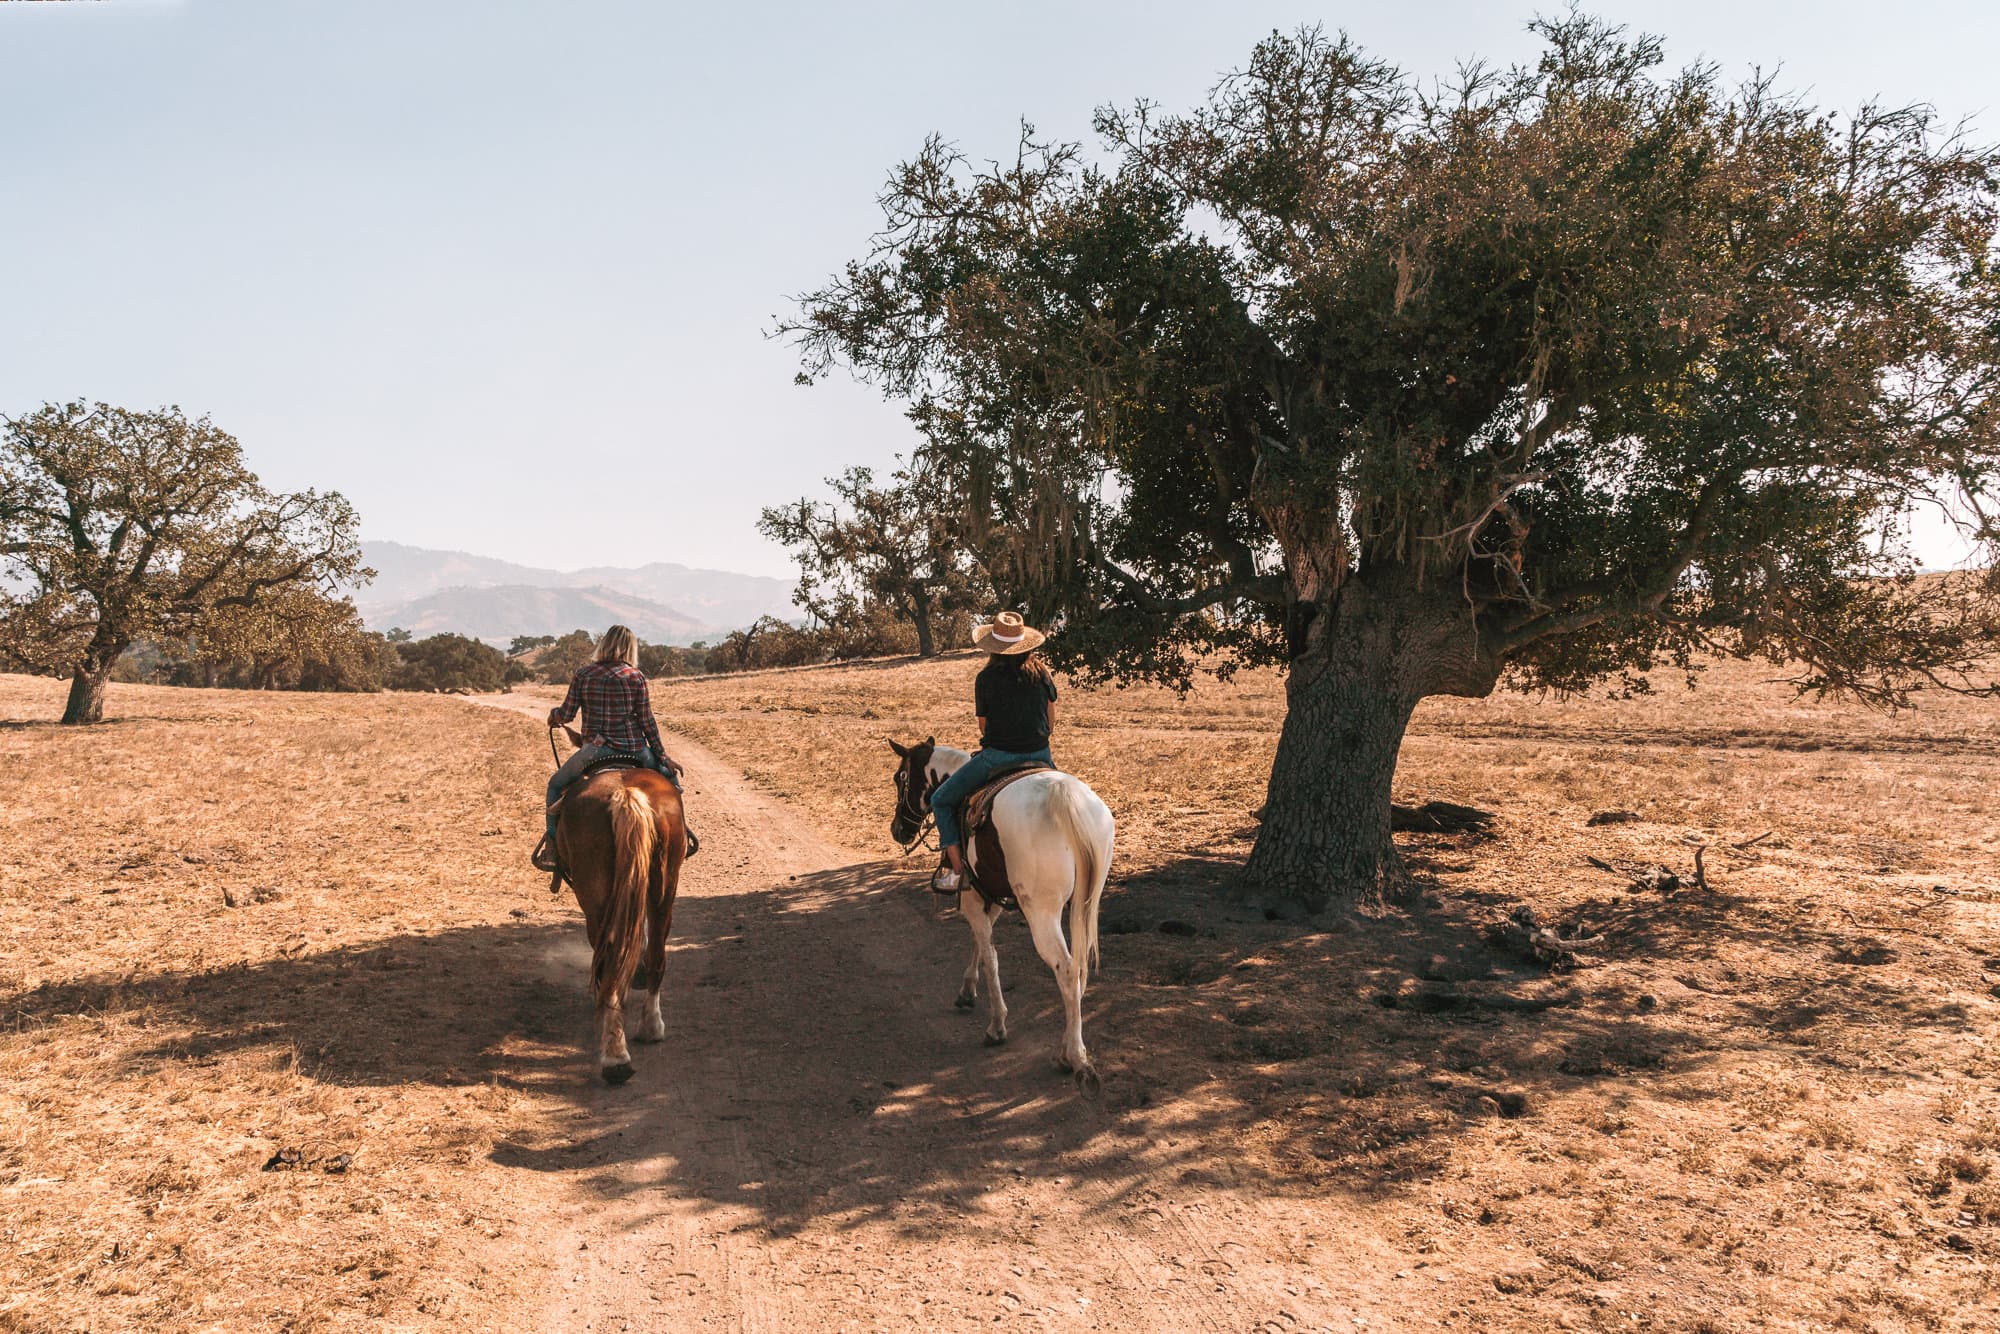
(584, 757)
(953, 791)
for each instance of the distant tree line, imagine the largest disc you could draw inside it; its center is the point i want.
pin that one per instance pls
(874, 632)
(304, 643)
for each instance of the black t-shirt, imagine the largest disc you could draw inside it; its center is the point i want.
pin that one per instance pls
(1015, 706)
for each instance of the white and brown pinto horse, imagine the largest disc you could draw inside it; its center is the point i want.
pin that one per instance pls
(1055, 835)
(621, 840)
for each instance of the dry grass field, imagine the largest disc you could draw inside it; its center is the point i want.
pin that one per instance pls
(234, 924)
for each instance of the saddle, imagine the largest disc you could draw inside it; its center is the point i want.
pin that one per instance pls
(604, 764)
(986, 864)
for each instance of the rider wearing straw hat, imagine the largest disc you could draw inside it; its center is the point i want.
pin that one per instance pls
(1014, 696)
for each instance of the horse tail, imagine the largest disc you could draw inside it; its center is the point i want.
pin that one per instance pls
(634, 840)
(1093, 864)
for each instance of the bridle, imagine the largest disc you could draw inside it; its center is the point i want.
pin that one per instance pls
(922, 816)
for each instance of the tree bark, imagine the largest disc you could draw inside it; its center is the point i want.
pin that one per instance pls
(92, 674)
(86, 695)
(1362, 660)
(1325, 831)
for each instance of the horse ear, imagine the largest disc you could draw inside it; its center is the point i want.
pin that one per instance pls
(899, 750)
(931, 741)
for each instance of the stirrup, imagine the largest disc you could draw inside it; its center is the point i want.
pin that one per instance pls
(544, 857)
(693, 843)
(944, 880)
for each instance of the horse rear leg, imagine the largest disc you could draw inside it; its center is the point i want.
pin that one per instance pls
(614, 1058)
(1045, 924)
(660, 921)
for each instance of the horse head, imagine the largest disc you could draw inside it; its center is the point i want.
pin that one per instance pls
(913, 790)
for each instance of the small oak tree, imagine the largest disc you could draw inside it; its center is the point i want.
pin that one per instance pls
(118, 525)
(448, 662)
(896, 546)
(1558, 373)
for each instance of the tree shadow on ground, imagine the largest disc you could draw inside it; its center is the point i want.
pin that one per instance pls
(816, 1071)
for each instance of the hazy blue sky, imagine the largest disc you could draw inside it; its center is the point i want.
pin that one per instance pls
(501, 271)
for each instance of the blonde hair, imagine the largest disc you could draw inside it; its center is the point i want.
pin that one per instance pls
(618, 645)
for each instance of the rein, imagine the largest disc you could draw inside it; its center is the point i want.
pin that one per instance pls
(926, 821)
(924, 830)
(575, 739)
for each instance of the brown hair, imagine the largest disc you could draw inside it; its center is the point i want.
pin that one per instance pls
(1031, 665)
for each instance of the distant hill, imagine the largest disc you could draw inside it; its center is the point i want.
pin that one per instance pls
(499, 613)
(427, 592)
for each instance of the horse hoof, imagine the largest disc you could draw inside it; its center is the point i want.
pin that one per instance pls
(649, 1035)
(615, 1075)
(1088, 1083)
(992, 1041)
(964, 1001)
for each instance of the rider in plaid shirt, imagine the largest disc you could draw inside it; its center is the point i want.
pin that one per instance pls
(617, 708)
(617, 719)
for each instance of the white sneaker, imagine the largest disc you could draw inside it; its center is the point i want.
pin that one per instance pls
(946, 881)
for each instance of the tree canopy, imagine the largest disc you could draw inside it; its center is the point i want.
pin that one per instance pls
(293, 637)
(1551, 373)
(117, 525)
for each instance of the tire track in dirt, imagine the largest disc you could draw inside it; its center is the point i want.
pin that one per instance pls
(823, 1143)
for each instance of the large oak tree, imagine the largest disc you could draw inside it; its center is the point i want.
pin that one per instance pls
(118, 525)
(1552, 374)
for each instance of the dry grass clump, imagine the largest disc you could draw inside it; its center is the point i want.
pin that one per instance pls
(1714, 1126)
(159, 1046)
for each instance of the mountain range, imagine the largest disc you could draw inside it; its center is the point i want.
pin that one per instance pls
(431, 592)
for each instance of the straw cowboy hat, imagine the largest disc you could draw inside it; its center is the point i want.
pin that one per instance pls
(1007, 635)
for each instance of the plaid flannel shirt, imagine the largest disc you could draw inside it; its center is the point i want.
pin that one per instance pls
(617, 709)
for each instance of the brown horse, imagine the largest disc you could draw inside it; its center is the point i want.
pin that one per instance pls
(621, 840)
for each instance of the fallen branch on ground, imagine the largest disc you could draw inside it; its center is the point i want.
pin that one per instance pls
(1522, 934)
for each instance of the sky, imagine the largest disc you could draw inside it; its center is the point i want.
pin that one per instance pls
(504, 273)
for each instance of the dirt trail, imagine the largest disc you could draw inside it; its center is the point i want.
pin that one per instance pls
(823, 1143)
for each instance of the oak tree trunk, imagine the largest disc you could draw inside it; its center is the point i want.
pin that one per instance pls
(1325, 833)
(86, 695)
(92, 673)
(1362, 659)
